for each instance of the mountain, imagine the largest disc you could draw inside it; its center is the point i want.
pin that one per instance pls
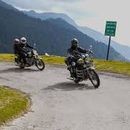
(50, 15)
(7, 6)
(122, 49)
(52, 35)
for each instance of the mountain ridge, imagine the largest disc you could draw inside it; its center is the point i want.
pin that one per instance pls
(52, 37)
(123, 49)
(8, 6)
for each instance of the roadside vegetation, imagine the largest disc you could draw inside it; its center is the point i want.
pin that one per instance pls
(6, 57)
(101, 65)
(13, 103)
(113, 66)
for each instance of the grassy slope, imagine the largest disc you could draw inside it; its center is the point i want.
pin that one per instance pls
(102, 65)
(12, 104)
(6, 57)
(113, 66)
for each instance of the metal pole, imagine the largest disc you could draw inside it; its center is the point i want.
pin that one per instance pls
(108, 50)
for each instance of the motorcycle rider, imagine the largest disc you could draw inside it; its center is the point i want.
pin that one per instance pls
(72, 55)
(24, 49)
(16, 46)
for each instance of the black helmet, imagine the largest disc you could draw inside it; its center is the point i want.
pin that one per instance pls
(74, 43)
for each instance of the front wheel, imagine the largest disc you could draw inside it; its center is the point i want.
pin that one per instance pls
(76, 81)
(40, 64)
(94, 78)
(21, 65)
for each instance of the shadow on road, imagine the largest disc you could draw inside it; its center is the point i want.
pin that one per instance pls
(69, 86)
(17, 70)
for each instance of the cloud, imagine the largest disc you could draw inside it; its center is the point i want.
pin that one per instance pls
(39, 4)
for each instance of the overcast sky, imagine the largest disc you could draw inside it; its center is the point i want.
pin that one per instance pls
(91, 13)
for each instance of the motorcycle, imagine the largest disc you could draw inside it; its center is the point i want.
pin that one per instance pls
(32, 59)
(83, 69)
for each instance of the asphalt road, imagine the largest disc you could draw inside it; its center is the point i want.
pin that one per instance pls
(59, 104)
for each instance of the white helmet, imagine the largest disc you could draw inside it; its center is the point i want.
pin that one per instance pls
(16, 40)
(23, 40)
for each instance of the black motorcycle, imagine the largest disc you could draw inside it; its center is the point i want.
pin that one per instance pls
(31, 59)
(83, 69)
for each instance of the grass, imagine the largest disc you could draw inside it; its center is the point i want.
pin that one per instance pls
(12, 104)
(113, 66)
(6, 57)
(101, 65)
(54, 59)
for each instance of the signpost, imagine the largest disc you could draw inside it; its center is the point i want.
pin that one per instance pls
(110, 31)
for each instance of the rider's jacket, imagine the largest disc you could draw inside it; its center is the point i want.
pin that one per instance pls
(23, 48)
(71, 51)
(16, 48)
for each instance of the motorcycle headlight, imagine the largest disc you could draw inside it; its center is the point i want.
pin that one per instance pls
(80, 61)
(86, 59)
(73, 63)
(35, 52)
(29, 54)
(84, 65)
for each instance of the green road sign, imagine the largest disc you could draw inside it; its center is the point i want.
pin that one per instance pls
(110, 28)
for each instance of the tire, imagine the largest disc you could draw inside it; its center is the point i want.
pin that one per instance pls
(76, 81)
(40, 64)
(94, 78)
(22, 66)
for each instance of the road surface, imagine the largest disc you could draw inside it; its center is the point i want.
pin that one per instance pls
(59, 104)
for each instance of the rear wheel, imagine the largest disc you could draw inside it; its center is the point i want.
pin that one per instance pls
(94, 78)
(40, 64)
(22, 66)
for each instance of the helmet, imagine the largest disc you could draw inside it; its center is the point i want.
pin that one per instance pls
(74, 43)
(16, 40)
(23, 40)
